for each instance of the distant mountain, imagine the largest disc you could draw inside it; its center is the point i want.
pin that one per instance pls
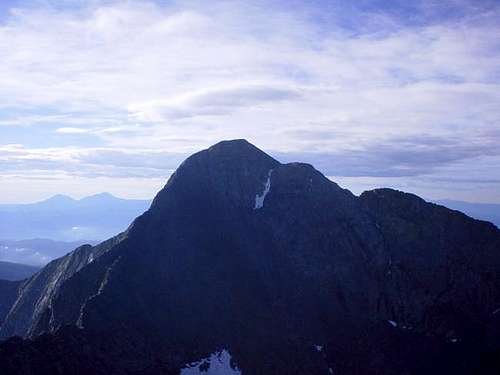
(15, 271)
(63, 218)
(36, 252)
(258, 267)
(481, 211)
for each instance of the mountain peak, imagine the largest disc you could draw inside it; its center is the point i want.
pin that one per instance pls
(105, 196)
(56, 201)
(233, 170)
(238, 149)
(238, 142)
(60, 198)
(233, 145)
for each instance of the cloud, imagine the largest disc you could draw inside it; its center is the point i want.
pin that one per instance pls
(356, 89)
(86, 162)
(212, 102)
(398, 156)
(98, 130)
(69, 130)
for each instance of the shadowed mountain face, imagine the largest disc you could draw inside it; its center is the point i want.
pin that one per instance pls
(276, 267)
(482, 211)
(8, 294)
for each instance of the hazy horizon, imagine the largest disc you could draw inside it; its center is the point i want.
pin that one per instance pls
(146, 198)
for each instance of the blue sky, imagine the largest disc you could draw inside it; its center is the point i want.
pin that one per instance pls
(112, 95)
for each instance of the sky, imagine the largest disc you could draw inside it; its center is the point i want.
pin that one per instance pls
(113, 95)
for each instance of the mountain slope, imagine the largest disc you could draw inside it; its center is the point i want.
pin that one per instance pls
(15, 271)
(279, 267)
(62, 218)
(36, 294)
(436, 252)
(8, 293)
(481, 211)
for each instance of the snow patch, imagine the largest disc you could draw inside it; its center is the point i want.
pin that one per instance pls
(218, 363)
(259, 198)
(392, 323)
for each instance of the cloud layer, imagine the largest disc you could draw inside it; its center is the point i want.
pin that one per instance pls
(127, 89)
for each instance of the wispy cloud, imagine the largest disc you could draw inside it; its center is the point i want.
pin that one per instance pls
(399, 156)
(212, 102)
(87, 162)
(68, 130)
(374, 91)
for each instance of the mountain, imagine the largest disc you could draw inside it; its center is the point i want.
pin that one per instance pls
(15, 271)
(36, 252)
(62, 218)
(482, 211)
(8, 294)
(257, 267)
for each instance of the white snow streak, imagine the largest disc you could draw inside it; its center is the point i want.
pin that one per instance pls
(259, 198)
(217, 364)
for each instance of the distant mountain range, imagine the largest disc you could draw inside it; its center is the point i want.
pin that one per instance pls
(62, 218)
(245, 265)
(14, 271)
(481, 211)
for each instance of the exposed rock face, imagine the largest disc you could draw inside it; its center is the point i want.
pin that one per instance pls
(440, 260)
(270, 262)
(37, 293)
